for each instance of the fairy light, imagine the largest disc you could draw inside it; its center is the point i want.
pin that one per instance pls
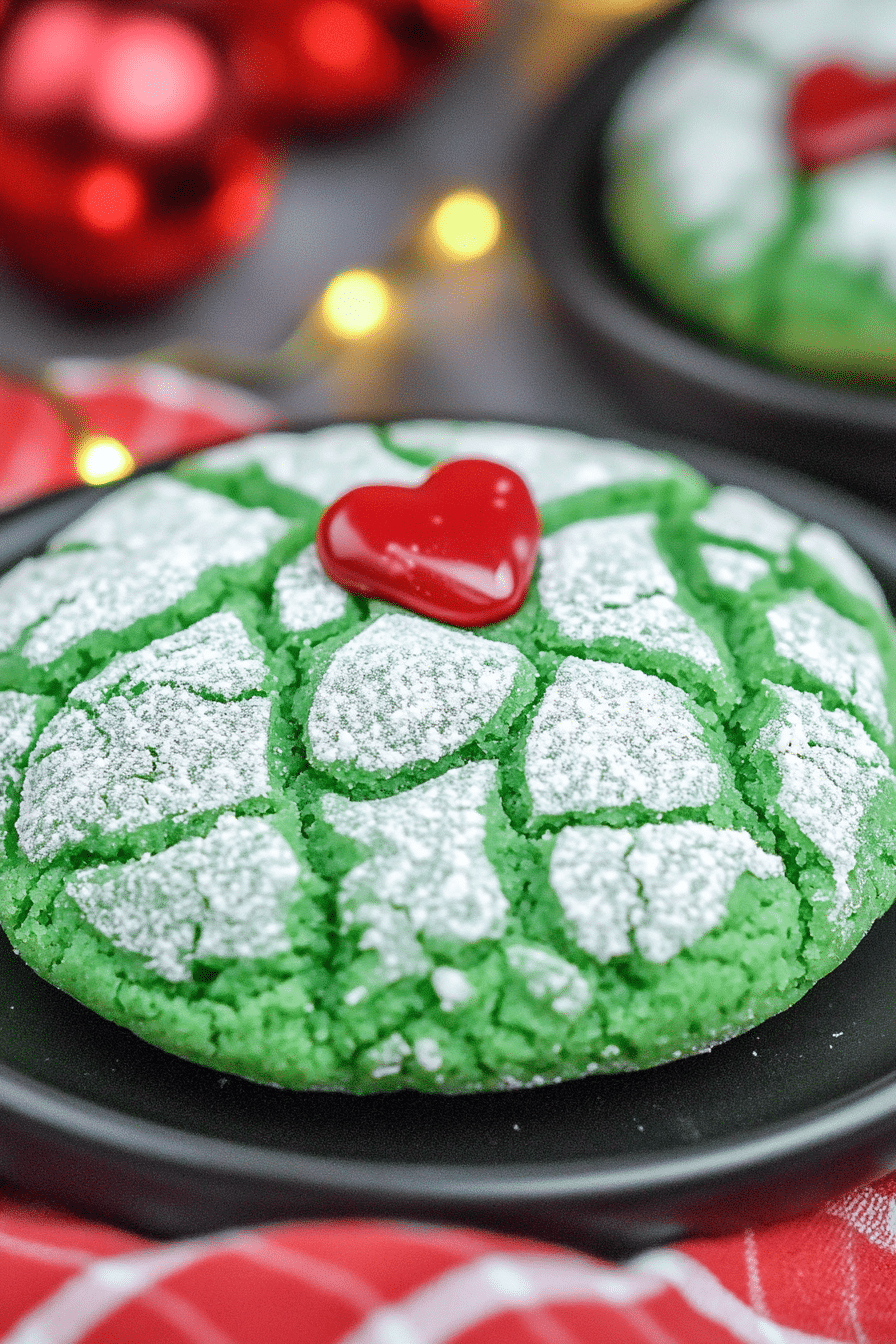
(100, 459)
(465, 225)
(611, 11)
(356, 304)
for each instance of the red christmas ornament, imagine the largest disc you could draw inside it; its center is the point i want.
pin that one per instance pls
(837, 112)
(125, 167)
(320, 63)
(460, 548)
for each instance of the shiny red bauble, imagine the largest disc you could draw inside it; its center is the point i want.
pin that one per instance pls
(837, 112)
(460, 548)
(318, 64)
(125, 165)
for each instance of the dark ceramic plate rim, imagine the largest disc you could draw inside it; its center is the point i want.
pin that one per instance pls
(820, 1134)
(852, 1136)
(577, 255)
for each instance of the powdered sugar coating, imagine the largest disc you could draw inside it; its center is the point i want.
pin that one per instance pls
(615, 558)
(605, 578)
(830, 772)
(426, 871)
(105, 590)
(428, 1054)
(152, 549)
(554, 462)
(18, 720)
(835, 650)
(829, 549)
(548, 975)
(856, 201)
(697, 105)
(452, 987)
(388, 1057)
(137, 757)
(306, 596)
(598, 893)
(730, 568)
(606, 735)
(215, 656)
(406, 690)
(666, 885)
(323, 463)
(743, 515)
(797, 34)
(157, 513)
(35, 588)
(234, 886)
(658, 623)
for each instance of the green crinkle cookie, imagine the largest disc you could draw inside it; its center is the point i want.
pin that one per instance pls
(711, 210)
(324, 842)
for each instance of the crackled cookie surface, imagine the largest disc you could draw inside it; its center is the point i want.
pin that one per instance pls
(324, 842)
(708, 202)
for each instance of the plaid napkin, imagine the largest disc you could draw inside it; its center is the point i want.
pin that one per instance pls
(828, 1277)
(156, 411)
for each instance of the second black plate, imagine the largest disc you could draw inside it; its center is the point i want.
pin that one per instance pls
(675, 376)
(765, 1125)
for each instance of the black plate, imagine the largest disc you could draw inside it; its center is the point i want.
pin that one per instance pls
(674, 375)
(764, 1126)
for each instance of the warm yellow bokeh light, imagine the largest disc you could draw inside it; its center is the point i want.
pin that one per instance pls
(611, 11)
(465, 225)
(100, 460)
(356, 303)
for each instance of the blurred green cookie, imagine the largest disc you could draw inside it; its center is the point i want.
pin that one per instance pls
(708, 206)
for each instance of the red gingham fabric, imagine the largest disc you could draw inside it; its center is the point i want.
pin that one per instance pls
(156, 411)
(829, 1277)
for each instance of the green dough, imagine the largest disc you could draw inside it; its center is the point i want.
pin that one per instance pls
(708, 206)
(323, 842)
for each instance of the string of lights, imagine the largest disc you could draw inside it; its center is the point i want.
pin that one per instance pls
(356, 305)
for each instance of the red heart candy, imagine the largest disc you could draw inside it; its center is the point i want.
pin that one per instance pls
(837, 112)
(459, 548)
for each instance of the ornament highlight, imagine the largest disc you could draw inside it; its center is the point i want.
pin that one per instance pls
(460, 548)
(838, 112)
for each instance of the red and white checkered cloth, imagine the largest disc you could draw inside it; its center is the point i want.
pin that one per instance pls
(156, 411)
(829, 1277)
